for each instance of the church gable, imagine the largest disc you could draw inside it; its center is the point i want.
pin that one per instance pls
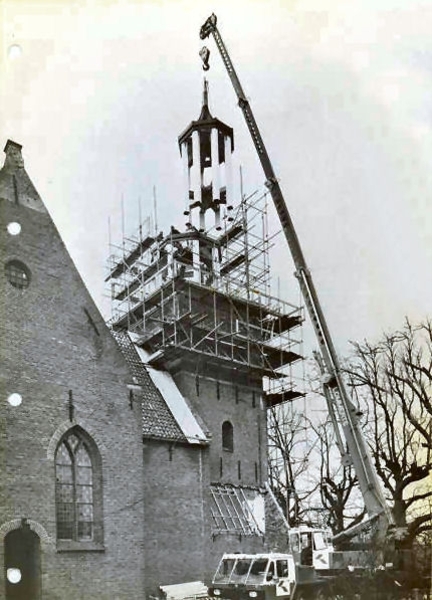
(69, 430)
(44, 296)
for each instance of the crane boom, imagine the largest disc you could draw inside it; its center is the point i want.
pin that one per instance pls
(341, 409)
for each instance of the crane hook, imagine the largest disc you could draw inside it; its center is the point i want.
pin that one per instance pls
(205, 57)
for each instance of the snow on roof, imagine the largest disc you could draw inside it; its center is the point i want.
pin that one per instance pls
(165, 413)
(174, 399)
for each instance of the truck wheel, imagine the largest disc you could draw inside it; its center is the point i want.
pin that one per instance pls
(321, 594)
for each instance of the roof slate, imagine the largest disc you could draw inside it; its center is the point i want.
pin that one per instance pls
(157, 419)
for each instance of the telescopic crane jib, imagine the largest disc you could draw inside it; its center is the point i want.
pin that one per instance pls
(341, 409)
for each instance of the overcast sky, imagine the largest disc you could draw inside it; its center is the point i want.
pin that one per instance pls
(342, 92)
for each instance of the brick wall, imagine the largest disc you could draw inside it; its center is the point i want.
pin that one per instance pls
(179, 543)
(53, 343)
(215, 402)
(219, 401)
(178, 540)
(176, 527)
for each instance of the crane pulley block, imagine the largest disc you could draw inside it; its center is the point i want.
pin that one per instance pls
(205, 57)
(208, 27)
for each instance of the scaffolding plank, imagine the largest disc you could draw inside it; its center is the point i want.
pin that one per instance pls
(278, 357)
(232, 264)
(256, 309)
(274, 399)
(127, 261)
(230, 234)
(281, 323)
(144, 276)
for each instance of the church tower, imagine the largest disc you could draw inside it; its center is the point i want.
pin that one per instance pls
(196, 306)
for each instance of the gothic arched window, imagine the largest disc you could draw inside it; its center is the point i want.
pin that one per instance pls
(77, 488)
(227, 436)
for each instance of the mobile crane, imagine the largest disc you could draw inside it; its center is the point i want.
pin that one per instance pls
(340, 407)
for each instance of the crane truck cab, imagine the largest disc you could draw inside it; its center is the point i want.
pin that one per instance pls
(270, 576)
(311, 546)
(314, 546)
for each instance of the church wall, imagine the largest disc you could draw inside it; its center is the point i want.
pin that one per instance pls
(242, 406)
(178, 540)
(57, 353)
(176, 529)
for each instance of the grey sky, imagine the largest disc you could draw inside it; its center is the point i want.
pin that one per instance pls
(342, 92)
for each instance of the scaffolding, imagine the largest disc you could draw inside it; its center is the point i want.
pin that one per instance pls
(196, 295)
(236, 509)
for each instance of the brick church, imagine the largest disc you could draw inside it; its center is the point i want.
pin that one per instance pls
(134, 453)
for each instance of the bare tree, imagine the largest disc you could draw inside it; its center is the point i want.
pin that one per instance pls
(338, 485)
(305, 470)
(339, 494)
(393, 380)
(289, 455)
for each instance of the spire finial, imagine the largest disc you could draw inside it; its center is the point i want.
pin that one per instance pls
(205, 93)
(205, 111)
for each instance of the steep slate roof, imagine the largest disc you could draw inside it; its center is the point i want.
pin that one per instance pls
(158, 421)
